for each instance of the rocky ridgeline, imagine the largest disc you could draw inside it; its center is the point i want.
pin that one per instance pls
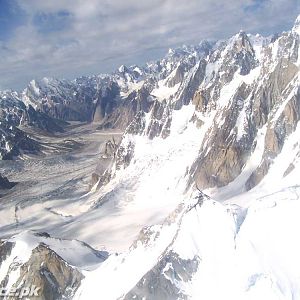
(54, 278)
(14, 142)
(111, 100)
(260, 72)
(14, 115)
(30, 261)
(268, 99)
(249, 87)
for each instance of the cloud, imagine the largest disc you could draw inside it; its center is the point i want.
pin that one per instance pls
(69, 38)
(48, 22)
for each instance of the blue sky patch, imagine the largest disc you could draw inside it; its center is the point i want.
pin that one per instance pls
(11, 17)
(52, 22)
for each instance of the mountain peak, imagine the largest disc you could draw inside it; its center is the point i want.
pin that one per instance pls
(296, 27)
(240, 42)
(123, 69)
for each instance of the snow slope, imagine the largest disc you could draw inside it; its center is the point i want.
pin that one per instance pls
(243, 253)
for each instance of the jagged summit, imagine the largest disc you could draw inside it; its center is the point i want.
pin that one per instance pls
(296, 27)
(123, 69)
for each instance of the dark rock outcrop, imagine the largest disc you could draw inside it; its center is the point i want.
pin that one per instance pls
(46, 270)
(160, 282)
(5, 183)
(14, 142)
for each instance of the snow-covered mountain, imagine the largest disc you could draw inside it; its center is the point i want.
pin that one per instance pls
(104, 98)
(112, 100)
(201, 197)
(14, 115)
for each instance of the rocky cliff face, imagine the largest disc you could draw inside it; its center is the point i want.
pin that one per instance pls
(14, 116)
(14, 142)
(29, 260)
(115, 99)
(112, 100)
(262, 93)
(15, 112)
(248, 89)
(158, 283)
(50, 273)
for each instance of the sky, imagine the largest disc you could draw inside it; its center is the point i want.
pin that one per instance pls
(71, 38)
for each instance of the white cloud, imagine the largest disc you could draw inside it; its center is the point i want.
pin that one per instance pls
(103, 34)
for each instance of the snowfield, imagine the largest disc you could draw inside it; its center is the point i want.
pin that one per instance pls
(247, 243)
(245, 253)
